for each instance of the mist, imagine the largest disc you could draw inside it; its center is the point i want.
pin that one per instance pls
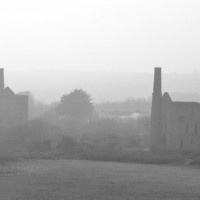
(100, 35)
(49, 85)
(99, 99)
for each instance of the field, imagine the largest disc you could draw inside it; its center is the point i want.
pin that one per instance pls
(89, 180)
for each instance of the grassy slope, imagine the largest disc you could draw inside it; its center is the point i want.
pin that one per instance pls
(66, 180)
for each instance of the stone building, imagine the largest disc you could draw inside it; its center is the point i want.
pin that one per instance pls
(174, 125)
(13, 108)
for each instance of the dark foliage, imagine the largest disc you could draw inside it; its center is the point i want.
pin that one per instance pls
(77, 104)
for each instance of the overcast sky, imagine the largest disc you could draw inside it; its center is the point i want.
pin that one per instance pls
(113, 35)
(55, 37)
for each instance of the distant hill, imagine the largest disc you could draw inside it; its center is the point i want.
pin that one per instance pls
(112, 86)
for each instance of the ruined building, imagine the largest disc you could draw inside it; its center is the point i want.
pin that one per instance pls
(174, 125)
(13, 108)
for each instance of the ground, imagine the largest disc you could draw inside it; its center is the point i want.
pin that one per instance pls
(89, 180)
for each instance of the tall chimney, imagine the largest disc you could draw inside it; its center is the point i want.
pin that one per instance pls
(157, 88)
(156, 116)
(1, 79)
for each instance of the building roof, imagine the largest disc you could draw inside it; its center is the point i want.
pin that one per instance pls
(8, 91)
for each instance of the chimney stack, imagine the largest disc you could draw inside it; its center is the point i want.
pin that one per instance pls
(156, 115)
(1, 79)
(157, 88)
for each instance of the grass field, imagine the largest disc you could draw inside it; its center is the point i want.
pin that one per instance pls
(89, 180)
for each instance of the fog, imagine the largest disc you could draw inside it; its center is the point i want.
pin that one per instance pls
(65, 44)
(49, 85)
(112, 35)
(78, 87)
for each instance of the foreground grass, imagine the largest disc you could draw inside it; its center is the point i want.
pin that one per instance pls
(67, 179)
(8, 158)
(134, 156)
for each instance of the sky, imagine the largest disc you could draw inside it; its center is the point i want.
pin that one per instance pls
(107, 35)
(55, 36)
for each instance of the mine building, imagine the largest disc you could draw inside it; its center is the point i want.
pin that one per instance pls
(13, 107)
(175, 125)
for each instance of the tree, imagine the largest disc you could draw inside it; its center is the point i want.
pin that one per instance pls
(76, 105)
